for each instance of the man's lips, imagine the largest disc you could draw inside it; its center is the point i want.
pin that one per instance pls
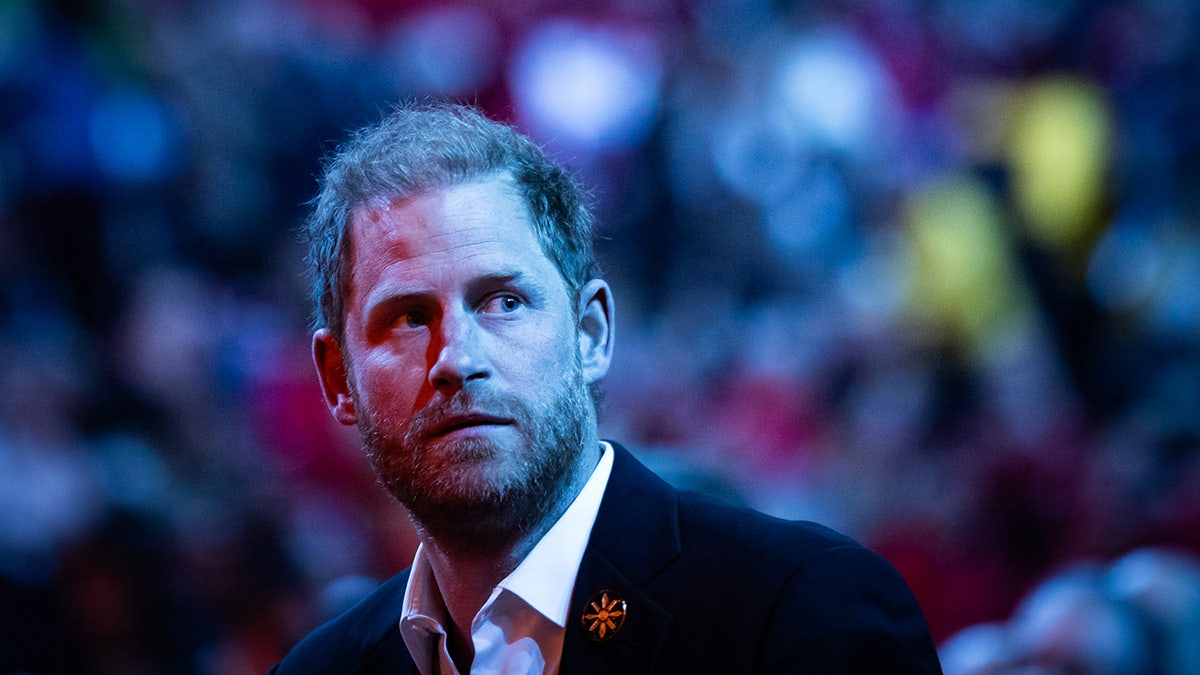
(457, 422)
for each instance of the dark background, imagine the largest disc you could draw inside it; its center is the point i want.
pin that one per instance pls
(927, 271)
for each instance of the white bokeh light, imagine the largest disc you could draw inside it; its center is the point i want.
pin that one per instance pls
(835, 90)
(588, 86)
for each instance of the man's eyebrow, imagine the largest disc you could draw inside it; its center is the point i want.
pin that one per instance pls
(520, 280)
(496, 278)
(397, 300)
(401, 296)
(514, 276)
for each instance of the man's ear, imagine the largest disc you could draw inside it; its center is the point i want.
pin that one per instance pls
(331, 370)
(595, 329)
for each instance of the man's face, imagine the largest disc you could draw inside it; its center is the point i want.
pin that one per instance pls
(463, 360)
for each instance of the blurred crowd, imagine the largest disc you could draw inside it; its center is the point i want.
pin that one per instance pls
(927, 271)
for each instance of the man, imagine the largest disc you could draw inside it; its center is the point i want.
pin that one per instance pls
(463, 327)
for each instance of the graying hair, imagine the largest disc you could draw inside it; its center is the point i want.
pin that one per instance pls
(417, 148)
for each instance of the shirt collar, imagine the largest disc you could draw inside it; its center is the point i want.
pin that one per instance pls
(424, 615)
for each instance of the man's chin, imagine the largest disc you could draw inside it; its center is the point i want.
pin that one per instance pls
(475, 511)
(478, 488)
(465, 450)
(484, 482)
(468, 477)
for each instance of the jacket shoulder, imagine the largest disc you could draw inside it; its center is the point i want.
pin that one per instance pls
(816, 595)
(708, 522)
(344, 643)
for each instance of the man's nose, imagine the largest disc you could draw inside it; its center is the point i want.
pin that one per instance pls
(460, 356)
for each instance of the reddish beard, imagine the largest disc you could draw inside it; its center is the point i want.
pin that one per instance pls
(477, 493)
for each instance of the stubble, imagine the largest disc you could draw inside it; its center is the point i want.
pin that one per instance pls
(476, 495)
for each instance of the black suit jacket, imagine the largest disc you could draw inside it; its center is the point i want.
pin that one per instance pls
(708, 589)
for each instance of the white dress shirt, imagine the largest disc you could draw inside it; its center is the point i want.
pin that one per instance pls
(520, 629)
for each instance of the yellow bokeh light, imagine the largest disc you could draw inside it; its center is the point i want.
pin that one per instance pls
(1059, 151)
(965, 275)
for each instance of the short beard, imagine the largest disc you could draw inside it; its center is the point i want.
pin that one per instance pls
(483, 515)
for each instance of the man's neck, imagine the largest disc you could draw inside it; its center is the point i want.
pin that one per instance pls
(466, 579)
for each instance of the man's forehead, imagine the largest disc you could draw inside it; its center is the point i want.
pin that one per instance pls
(474, 227)
(497, 183)
(490, 203)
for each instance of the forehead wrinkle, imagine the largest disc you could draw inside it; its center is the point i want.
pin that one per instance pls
(404, 238)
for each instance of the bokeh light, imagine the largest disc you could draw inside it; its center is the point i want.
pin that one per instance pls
(1059, 152)
(588, 86)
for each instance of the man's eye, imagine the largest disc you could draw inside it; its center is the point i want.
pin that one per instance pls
(415, 319)
(503, 304)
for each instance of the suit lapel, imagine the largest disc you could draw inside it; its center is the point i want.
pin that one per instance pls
(377, 632)
(635, 537)
(391, 657)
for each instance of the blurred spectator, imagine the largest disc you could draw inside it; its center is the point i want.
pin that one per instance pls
(1138, 615)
